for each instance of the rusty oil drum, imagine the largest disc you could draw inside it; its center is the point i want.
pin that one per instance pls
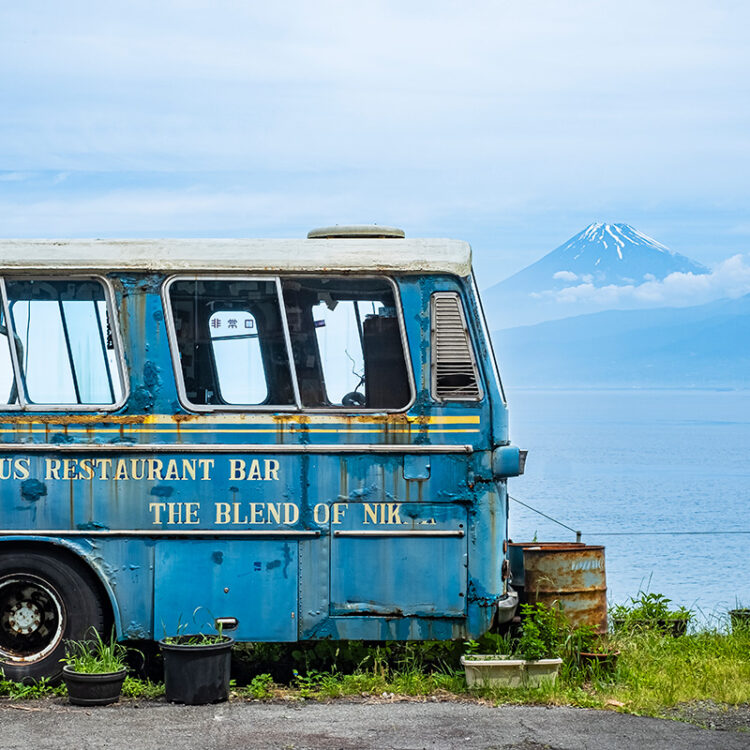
(575, 577)
(515, 558)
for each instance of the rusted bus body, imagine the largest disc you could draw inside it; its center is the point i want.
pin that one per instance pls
(271, 505)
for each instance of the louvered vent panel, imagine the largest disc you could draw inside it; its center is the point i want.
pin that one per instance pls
(454, 373)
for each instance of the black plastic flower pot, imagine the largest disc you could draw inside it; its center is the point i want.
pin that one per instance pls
(675, 627)
(598, 663)
(196, 674)
(93, 689)
(740, 619)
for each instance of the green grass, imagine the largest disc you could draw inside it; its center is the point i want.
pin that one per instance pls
(658, 672)
(95, 656)
(654, 673)
(143, 689)
(40, 689)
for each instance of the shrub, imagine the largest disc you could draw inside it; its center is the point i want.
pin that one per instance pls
(647, 611)
(544, 631)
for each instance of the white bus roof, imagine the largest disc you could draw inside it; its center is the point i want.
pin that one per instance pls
(256, 255)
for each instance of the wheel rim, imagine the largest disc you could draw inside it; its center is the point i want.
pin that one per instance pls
(32, 618)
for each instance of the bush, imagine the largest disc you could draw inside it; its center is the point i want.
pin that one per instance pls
(544, 631)
(647, 611)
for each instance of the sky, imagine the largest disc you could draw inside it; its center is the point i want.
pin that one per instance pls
(512, 125)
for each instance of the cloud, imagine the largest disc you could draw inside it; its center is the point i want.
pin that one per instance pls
(469, 87)
(194, 211)
(565, 276)
(508, 124)
(13, 176)
(730, 278)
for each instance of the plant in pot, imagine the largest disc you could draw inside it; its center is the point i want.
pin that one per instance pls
(591, 652)
(530, 659)
(543, 633)
(197, 667)
(650, 612)
(94, 670)
(739, 617)
(497, 669)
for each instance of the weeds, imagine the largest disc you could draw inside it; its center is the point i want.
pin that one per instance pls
(95, 656)
(649, 611)
(39, 689)
(198, 639)
(260, 687)
(543, 632)
(654, 672)
(145, 689)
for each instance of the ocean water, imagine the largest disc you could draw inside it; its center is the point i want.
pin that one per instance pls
(635, 470)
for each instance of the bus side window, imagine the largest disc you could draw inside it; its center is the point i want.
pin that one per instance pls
(454, 375)
(340, 346)
(346, 339)
(231, 343)
(61, 331)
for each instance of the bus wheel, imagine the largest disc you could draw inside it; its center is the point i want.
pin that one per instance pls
(45, 600)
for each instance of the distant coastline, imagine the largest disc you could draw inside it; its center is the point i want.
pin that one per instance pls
(645, 388)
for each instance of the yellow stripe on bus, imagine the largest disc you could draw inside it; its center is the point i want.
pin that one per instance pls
(253, 430)
(187, 420)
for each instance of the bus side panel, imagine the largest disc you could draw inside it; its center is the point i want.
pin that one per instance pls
(403, 575)
(254, 582)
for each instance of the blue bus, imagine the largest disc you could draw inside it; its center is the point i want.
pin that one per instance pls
(306, 439)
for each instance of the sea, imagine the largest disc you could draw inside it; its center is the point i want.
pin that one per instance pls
(661, 478)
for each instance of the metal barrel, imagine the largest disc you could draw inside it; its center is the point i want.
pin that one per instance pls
(515, 558)
(575, 577)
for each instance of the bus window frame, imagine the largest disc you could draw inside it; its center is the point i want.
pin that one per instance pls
(24, 405)
(297, 407)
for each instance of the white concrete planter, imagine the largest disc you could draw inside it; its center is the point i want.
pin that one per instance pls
(493, 670)
(541, 672)
(496, 670)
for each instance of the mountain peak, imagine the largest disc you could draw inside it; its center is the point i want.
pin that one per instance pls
(614, 254)
(616, 236)
(601, 256)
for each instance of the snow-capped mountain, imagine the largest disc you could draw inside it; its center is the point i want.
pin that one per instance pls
(568, 280)
(606, 254)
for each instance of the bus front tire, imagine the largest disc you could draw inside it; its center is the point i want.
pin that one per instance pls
(45, 600)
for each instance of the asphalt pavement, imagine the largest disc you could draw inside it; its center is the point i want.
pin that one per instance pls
(345, 725)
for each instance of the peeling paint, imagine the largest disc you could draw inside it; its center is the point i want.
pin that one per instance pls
(151, 376)
(33, 489)
(92, 526)
(287, 560)
(143, 399)
(61, 437)
(478, 595)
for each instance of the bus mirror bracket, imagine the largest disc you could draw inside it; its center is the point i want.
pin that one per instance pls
(508, 461)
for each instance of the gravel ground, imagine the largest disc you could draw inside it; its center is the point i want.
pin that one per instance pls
(346, 725)
(712, 715)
